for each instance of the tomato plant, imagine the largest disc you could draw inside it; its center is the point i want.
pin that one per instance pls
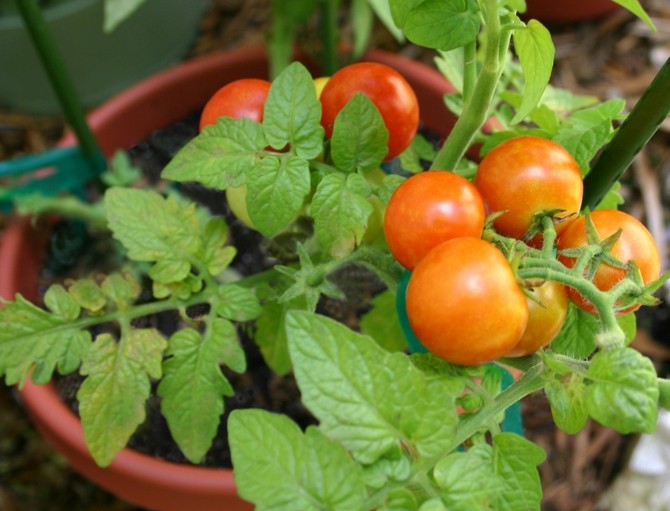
(429, 208)
(634, 244)
(242, 98)
(527, 175)
(386, 88)
(447, 294)
(547, 310)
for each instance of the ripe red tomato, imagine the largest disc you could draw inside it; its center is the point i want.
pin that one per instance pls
(527, 175)
(635, 244)
(241, 98)
(388, 90)
(546, 315)
(429, 208)
(464, 304)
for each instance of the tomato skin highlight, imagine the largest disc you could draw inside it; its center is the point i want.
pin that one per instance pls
(387, 89)
(635, 243)
(526, 175)
(546, 316)
(429, 208)
(241, 98)
(464, 303)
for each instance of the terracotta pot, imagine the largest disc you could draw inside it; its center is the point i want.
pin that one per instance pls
(119, 123)
(568, 11)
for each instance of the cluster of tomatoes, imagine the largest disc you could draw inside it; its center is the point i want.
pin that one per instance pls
(464, 301)
(391, 94)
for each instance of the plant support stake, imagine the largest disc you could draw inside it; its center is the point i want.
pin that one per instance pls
(60, 81)
(635, 131)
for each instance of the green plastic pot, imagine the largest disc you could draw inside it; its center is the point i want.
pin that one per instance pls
(157, 35)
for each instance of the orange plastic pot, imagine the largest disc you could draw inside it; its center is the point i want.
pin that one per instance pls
(121, 122)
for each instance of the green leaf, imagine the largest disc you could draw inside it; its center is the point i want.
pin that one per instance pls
(587, 130)
(400, 10)
(112, 397)
(121, 288)
(216, 254)
(411, 158)
(152, 227)
(364, 396)
(443, 25)
(220, 155)
(576, 338)
(359, 136)
(193, 386)
(292, 113)
(362, 21)
(279, 467)
(88, 295)
(612, 199)
(116, 11)
(383, 11)
(309, 281)
(400, 499)
(382, 323)
(433, 505)
(516, 461)
(624, 391)
(169, 270)
(636, 8)
(450, 64)
(563, 101)
(120, 171)
(567, 402)
(628, 323)
(467, 479)
(61, 303)
(276, 192)
(236, 303)
(340, 209)
(535, 50)
(271, 334)
(34, 338)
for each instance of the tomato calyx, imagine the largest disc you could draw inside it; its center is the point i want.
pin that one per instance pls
(533, 265)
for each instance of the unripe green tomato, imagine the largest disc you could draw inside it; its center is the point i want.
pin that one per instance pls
(375, 229)
(237, 200)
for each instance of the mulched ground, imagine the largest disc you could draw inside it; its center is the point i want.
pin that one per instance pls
(615, 56)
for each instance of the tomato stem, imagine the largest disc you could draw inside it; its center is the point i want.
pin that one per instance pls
(531, 381)
(61, 82)
(469, 69)
(330, 11)
(612, 334)
(476, 108)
